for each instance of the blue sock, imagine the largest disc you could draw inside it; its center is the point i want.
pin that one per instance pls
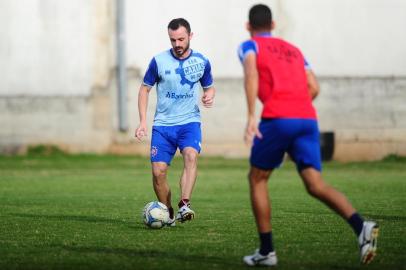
(356, 222)
(266, 243)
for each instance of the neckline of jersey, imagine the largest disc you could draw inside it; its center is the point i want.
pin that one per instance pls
(264, 34)
(179, 59)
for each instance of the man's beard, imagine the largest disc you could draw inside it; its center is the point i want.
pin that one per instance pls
(179, 51)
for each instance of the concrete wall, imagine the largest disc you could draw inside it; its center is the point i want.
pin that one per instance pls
(74, 123)
(57, 62)
(42, 51)
(339, 37)
(367, 116)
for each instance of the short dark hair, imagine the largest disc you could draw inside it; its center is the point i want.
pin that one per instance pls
(176, 23)
(260, 17)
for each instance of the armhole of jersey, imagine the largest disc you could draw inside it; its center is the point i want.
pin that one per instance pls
(206, 80)
(307, 65)
(247, 47)
(151, 75)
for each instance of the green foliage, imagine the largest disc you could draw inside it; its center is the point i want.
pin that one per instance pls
(44, 150)
(395, 158)
(66, 212)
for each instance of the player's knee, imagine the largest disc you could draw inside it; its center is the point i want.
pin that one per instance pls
(190, 157)
(256, 175)
(159, 174)
(316, 190)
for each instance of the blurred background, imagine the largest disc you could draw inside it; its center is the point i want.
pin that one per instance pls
(71, 69)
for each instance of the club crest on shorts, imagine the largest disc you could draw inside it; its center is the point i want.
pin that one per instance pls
(154, 151)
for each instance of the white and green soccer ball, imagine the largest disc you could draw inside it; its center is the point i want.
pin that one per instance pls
(155, 215)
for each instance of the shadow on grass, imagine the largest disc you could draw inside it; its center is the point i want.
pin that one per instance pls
(329, 213)
(152, 254)
(77, 218)
(132, 224)
(385, 217)
(201, 261)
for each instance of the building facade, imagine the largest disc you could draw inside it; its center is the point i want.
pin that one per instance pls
(59, 71)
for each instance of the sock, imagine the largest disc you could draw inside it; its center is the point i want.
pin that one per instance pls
(183, 202)
(266, 243)
(171, 212)
(356, 222)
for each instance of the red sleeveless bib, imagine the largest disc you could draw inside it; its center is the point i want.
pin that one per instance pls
(283, 86)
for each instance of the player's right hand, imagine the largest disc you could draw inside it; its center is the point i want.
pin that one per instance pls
(251, 131)
(141, 132)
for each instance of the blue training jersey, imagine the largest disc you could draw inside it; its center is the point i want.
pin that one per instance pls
(177, 84)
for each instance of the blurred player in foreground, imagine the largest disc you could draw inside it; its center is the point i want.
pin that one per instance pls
(178, 74)
(276, 72)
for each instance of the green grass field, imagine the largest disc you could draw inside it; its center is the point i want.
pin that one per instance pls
(84, 212)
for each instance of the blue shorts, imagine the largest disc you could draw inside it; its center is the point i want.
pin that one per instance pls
(167, 139)
(297, 137)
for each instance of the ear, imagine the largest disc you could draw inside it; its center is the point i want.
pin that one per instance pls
(190, 35)
(248, 26)
(273, 25)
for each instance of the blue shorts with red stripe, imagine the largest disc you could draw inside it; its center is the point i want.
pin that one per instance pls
(297, 137)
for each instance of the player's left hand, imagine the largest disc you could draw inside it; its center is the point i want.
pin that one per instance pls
(208, 97)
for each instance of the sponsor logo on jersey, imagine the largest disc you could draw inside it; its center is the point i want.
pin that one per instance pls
(178, 96)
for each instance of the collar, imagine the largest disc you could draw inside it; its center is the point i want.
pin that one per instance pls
(263, 34)
(183, 59)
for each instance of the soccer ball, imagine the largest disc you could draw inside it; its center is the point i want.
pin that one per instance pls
(155, 215)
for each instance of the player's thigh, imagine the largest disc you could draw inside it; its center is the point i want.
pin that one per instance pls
(162, 147)
(267, 153)
(190, 136)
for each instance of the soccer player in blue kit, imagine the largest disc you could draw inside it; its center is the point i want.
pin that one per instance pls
(177, 73)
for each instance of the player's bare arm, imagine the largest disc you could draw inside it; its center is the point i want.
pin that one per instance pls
(143, 94)
(208, 97)
(312, 83)
(251, 92)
